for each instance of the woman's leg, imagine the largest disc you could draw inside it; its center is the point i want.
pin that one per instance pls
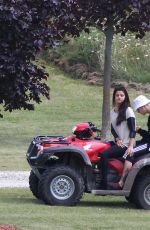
(138, 151)
(126, 169)
(113, 152)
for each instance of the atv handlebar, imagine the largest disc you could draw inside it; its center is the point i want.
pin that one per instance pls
(93, 127)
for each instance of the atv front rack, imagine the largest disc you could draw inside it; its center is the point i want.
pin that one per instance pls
(50, 140)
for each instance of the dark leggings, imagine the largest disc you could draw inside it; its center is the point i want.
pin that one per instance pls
(113, 152)
(141, 149)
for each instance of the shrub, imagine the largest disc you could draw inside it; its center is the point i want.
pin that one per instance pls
(130, 55)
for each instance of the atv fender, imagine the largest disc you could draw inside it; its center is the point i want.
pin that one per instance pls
(49, 152)
(137, 167)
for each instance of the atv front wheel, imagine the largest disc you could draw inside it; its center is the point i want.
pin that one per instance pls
(141, 192)
(61, 185)
(33, 184)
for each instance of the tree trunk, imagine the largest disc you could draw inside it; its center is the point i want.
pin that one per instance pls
(107, 83)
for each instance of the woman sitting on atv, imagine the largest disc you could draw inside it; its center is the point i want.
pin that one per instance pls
(122, 128)
(141, 104)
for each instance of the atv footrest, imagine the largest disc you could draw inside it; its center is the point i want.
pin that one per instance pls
(111, 192)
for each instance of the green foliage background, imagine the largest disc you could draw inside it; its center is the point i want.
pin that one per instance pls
(130, 56)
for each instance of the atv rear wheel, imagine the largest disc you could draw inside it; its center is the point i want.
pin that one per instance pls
(61, 185)
(141, 192)
(33, 184)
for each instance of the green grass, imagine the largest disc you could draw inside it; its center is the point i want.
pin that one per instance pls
(18, 207)
(72, 101)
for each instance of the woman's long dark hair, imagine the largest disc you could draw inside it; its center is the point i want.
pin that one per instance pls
(123, 107)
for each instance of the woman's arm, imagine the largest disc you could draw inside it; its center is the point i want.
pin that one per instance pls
(132, 133)
(114, 132)
(131, 146)
(118, 141)
(131, 126)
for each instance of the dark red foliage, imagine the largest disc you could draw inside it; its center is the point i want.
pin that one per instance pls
(129, 15)
(24, 31)
(28, 26)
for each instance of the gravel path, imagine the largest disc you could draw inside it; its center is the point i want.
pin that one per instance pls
(14, 179)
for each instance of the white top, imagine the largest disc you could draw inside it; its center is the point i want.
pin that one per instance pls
(122, 129)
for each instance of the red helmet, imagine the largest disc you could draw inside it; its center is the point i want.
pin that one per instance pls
(83, 130)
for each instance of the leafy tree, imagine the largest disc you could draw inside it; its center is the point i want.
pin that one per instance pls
(26, 27)
(110, 16)
(24, 31)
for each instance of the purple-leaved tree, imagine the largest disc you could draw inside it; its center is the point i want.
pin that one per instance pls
(25, 29)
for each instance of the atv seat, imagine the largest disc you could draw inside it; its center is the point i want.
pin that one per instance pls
(117, 165)
(147, 155)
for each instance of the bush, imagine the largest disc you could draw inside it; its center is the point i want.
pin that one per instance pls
(131, 58)
(129, 55)
(86, 49)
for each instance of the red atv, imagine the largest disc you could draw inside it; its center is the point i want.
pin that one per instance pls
(63, 168)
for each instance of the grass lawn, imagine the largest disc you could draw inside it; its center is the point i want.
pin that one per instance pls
(18, 207)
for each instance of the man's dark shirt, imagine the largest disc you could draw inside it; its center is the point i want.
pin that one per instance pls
(145, 134)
